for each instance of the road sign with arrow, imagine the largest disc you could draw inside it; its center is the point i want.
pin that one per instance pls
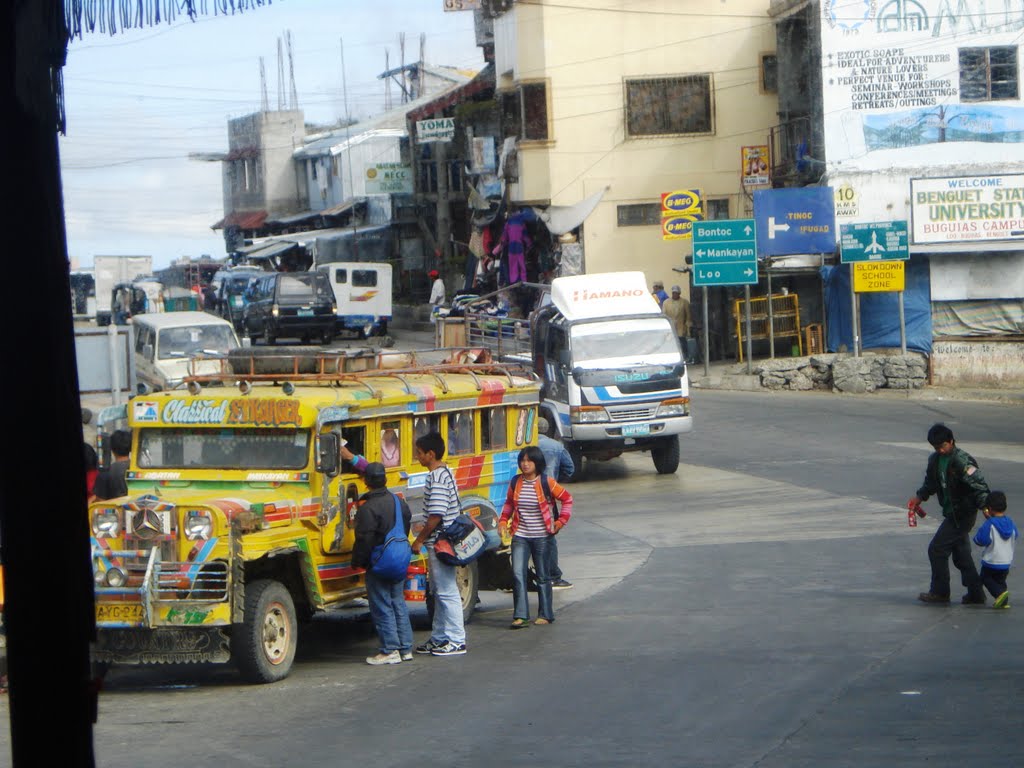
(724, 252)
(877, 241)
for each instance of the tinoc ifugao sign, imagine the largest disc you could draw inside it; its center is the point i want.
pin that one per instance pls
(967, 208)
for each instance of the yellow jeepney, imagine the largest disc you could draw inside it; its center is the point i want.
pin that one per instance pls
(239, 519)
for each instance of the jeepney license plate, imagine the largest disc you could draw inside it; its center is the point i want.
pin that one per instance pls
(636, 430)
(305, 313)
(119, 612)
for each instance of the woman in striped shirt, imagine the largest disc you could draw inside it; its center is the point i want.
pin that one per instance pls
(532, 514)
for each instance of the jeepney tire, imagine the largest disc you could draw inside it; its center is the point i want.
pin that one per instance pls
(326, 337)
(666, 455)
(468, 579)
(263, 645)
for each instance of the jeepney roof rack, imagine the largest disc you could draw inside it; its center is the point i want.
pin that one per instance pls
(245, 366)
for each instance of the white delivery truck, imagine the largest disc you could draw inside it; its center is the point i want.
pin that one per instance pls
(613, 372)
(108, 272)
(362, 291)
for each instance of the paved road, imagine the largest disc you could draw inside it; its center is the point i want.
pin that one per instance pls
(757, 608)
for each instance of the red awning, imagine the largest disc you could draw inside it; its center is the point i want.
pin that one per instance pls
(484, 80)
(242, 220)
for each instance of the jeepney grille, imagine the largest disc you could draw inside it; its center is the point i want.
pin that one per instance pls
(191, 581)
(632, 414)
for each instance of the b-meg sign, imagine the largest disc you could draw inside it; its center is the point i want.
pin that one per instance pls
(967, 208)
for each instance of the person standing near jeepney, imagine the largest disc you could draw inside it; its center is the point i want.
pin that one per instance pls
(953, 475)
(375, 518)
(436, 293)
(441, 506)
(112, 482)
(560, 466)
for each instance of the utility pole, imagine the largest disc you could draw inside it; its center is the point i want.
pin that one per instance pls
(444, 210)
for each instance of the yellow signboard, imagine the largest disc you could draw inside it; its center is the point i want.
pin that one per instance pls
(679, 209)
(755, 166)
(679, 227)
(878, 276)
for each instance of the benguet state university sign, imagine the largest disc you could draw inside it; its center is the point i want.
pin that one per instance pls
(967, 208)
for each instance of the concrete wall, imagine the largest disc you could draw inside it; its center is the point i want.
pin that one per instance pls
(270, 138)
(978, 363)
(586, 56)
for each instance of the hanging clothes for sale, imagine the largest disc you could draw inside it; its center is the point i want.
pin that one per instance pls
(515, 240)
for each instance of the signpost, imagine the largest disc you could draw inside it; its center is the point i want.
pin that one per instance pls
(876, 250)
(795, 220)
(725, 253)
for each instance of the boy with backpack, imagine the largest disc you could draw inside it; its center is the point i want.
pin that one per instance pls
(382, 548)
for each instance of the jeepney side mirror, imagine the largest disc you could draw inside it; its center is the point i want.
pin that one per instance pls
(328, 458)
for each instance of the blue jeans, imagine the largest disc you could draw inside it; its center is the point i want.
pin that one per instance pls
(390, 613)
(448, 625)
(523, 550)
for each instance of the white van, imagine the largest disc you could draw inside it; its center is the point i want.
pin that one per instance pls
(362, 291)
(166, 342)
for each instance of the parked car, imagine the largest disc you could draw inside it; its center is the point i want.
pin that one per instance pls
(292, 304)
(165, 344)
(231, 296)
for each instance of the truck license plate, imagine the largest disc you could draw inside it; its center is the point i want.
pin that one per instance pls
(119, 612)
(636, 430)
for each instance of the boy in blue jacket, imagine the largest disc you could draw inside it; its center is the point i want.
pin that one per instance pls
(998, 535)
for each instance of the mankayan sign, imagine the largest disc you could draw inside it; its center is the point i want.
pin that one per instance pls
(967, 208)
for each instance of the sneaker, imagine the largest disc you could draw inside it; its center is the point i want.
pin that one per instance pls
(450, 649)
(394, 657)
(428, 647)
(1003, 601)
(970, 599)
(561, 584)
(406, 655)
(931, 597)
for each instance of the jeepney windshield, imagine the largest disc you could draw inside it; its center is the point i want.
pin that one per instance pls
(205, 448)
(639, 340)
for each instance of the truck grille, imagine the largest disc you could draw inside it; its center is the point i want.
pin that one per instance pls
(632, 414)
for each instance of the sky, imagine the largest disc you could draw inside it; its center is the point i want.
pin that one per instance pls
(140, 101)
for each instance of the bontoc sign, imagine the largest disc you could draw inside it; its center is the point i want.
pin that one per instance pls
(967, 208)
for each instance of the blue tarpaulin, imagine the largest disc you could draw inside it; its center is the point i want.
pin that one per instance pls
(879, 312)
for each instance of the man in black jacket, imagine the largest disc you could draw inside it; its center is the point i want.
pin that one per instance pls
(954, 476)
(375, 519)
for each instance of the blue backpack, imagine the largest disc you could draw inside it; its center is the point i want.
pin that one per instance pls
(390, 560)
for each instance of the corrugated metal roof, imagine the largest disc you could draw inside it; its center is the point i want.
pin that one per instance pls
(242, 220)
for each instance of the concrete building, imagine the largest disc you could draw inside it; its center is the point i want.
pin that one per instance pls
(920, 119)
(634, 100)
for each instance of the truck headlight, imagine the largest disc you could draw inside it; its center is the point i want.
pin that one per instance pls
(587, 414)
(106, 523)
(679, 406)
(198, 524)
(275, 310)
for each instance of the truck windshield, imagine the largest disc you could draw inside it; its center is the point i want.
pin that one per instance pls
(195, 339)
(650, 340)
(205, 448)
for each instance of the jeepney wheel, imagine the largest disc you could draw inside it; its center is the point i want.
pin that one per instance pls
(263, 645)
(467, 577)
(666, 455)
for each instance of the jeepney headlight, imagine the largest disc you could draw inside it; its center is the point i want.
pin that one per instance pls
(198, 524)
(679, 406)
(115, 577)
(587, 414)
(106, 523)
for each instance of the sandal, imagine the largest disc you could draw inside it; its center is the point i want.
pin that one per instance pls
(519, 624)
(542, 620)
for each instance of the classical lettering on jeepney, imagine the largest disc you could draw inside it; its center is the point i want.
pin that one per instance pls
(194, 412)
(264, 412)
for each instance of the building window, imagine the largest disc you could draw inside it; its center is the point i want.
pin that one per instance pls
(988, 74)
(769, 73)
(533, 100)
(716, 208)
(669, 105)
(639, 214)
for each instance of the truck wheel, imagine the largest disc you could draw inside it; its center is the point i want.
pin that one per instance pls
(576, 452)
(666, 455)
(271, 338)
(263, 645)
(467, 578)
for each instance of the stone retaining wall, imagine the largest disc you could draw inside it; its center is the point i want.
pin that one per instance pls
(843, 372)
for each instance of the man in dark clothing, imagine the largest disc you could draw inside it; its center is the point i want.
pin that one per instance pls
(111, 483)
(954, 476)
(375, 518)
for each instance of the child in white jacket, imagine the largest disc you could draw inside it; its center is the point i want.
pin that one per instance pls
(998, 535)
